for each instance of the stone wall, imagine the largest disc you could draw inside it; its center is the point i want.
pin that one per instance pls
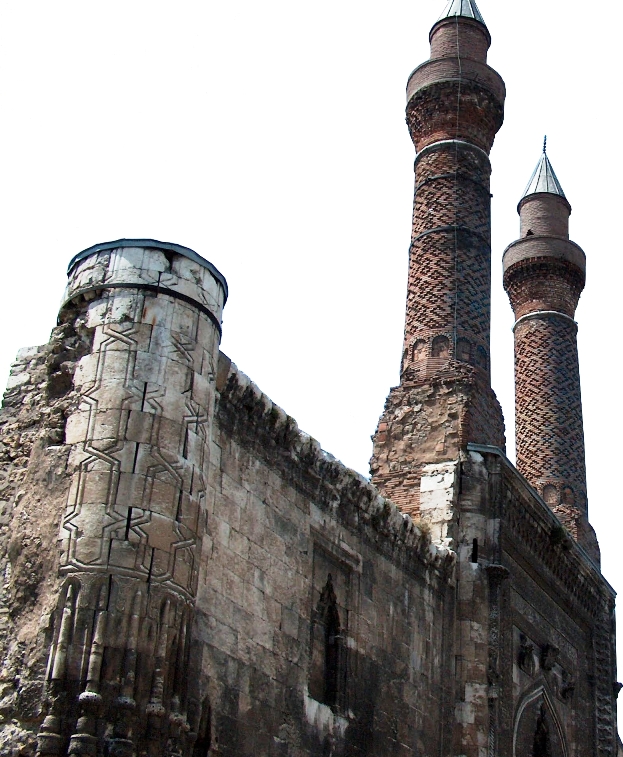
(296, 543)
(326, 621)
(296, 612)
(555, 672)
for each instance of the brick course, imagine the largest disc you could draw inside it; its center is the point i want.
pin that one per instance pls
(468, 39)
(545, 214)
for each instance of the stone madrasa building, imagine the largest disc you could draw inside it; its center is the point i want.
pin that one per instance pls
(185, 573)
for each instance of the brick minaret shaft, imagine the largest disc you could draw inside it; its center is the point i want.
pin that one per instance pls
(544, 275)
(455, 106)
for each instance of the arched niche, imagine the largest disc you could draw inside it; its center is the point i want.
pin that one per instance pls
(440, 347)
(538, 731)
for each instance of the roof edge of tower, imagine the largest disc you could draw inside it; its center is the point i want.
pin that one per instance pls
(466, 10)
(536, 195)
(152, 244)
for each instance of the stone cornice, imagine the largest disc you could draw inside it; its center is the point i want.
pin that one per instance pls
(529, 522)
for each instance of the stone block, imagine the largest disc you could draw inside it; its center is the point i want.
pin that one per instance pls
(158, 311)
(140, 426)
(289, 622)
(239, 544)
(131, 491)
(227, 510)
(234, 491)
(89, 550)
(125, 554)
(16, 380)
(438, 493)
(185, 319)
(233, 587)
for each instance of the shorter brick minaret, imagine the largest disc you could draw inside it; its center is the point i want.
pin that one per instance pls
(544, 275)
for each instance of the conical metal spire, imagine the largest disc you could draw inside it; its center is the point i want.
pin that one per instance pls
(467, 8)
(544, 179)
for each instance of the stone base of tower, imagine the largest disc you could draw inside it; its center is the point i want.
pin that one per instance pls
(431, 423)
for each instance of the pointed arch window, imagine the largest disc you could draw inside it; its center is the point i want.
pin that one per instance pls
(542, 743)
(327, 653)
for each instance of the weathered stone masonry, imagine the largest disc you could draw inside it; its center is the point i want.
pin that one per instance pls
(285, 516)
(185, 573)
(135, 450)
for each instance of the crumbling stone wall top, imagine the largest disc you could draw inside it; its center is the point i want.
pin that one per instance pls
(261, 425)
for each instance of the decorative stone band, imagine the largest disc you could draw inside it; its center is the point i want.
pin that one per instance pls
(460, 144)
(155, 289)
(150, 244)
(529, 518)
(544, 314)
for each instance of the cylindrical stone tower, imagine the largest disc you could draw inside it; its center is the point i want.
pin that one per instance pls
(544, 275)
(455, 106)
(118, 677)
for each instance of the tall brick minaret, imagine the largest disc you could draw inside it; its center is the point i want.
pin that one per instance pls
(455, 106)
(544, 275)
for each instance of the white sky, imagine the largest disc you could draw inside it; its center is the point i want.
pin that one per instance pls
(270, 137)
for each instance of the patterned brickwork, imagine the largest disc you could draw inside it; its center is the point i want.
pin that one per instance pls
(432, 110)
(544, 277)
(454, 109)
(550, 436)
(449, 284)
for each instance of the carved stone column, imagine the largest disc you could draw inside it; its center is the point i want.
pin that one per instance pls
(131, 533)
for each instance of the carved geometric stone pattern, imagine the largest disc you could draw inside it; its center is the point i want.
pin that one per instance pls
(135, 501)
(132, 530)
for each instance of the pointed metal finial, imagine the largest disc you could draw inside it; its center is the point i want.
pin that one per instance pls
(544, 179)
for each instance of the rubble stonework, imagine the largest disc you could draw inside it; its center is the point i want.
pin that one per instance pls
(185, 573)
